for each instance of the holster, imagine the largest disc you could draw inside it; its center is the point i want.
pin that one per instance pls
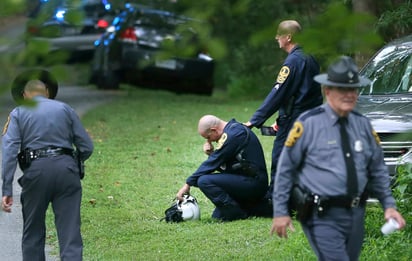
(301, 203)
(24, 158)
(244, 166)
(80, 164)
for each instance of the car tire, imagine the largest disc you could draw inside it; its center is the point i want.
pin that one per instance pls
(108, 80)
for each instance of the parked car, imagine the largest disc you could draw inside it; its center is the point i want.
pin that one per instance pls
(70, 26)
(387, 102)
(144, 47)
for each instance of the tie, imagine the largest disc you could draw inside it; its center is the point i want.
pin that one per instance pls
(352, 180)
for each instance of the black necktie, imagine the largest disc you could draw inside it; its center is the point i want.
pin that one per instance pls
(352, 180)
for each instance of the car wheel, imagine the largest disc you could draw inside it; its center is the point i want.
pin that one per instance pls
(205, 86)
(108, 80)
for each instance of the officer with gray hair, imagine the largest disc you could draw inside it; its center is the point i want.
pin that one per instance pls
(41, 135)
(330, 156)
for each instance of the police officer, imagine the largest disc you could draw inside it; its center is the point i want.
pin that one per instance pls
(294, 91)
(241, 179)
(315, 158)
(41, 134)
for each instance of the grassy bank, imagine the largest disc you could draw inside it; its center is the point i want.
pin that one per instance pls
(146, 146)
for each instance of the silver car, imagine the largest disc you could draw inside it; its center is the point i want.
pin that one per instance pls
(387, 102)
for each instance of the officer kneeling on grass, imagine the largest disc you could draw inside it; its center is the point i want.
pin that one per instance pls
(331, 154)
(234, 177)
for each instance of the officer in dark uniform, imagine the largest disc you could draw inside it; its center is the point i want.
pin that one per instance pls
(332, 153)
(234, 177)
(294, 91)
(41, 134)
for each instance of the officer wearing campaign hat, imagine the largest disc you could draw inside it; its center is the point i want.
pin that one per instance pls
(332, 153)
(42, 135)
(343, 73)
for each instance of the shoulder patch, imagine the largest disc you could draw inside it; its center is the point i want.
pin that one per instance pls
(283, 74)
(221, 141)
(376, 136)
(311, 113)
(6, 125)
(294, 134)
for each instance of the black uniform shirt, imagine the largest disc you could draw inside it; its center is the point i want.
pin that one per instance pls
(234, 136)
(294, 84)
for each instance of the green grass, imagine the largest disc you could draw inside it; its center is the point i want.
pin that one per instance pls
(146, 144)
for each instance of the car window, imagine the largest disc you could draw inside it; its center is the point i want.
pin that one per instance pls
(390, 71)
(158, 20)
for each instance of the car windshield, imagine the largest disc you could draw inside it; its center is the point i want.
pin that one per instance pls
(390, 71)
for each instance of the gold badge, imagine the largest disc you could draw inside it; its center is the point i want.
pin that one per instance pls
(283, 74)
(377, 139)
(221, 141)
(6, 125)
(294, 134)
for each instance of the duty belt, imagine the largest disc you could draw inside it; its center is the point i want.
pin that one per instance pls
(338, 201)
(49, 152)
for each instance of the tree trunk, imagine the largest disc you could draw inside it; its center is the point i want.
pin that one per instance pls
(364, 6)
(368, 7)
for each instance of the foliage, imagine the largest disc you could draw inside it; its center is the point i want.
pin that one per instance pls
(239, 34)
(396, 22)
(11, 8)
(247, 28)
(338, 31)
(146, 144)
(403, 188)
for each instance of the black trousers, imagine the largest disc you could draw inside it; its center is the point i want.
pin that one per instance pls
(52, 180)
(232, 193)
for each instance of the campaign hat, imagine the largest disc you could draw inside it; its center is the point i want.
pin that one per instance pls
(18, 84)
(342, 73)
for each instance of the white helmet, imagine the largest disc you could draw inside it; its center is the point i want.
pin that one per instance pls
(189, 208)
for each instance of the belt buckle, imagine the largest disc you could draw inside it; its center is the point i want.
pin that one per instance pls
(355, 202)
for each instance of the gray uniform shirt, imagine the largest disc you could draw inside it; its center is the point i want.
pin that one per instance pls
(313, 158)
(48, 123)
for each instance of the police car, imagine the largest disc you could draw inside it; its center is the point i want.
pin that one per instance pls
(69, 26)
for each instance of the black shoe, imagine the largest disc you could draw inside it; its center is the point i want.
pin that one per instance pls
(229, 213)
(263, 208)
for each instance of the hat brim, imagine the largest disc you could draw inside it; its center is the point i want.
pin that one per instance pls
(323, 79)
(17, 87)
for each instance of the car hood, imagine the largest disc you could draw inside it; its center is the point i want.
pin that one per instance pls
(388, 114)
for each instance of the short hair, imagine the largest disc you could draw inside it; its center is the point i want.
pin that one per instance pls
(289, 27)
(35, 86)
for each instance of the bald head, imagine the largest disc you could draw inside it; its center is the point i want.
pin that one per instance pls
(207, 122)
(289, 27)
(34, 88)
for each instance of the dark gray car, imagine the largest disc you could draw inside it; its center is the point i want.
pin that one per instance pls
(387, 102)
(155, 49)
(69, 26)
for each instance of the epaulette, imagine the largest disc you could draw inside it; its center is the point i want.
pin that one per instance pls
(311, 113)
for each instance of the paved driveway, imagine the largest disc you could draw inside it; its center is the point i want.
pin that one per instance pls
(81, 99)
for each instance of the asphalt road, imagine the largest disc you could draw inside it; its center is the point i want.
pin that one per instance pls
(81, 99)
